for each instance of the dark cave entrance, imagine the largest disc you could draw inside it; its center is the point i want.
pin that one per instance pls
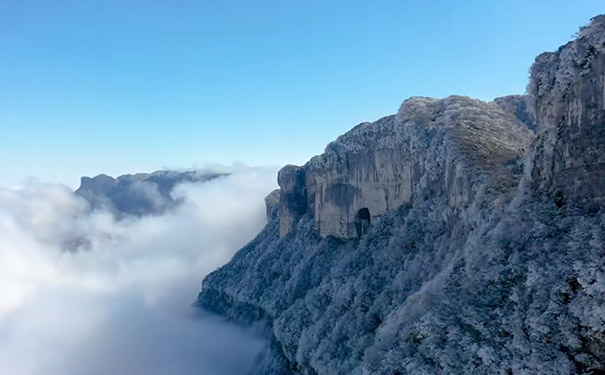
(362, 221)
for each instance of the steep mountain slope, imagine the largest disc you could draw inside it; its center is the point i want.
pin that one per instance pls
(425, 243)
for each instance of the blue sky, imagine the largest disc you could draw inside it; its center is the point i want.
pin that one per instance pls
(119, 86)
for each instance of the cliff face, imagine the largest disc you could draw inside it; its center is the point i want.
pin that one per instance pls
(568, 91)
(452, 147)
(426, 243)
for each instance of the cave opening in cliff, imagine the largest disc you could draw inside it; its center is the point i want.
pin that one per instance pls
(362, 221)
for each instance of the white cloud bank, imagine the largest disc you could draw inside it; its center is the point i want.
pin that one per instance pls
(123, 305)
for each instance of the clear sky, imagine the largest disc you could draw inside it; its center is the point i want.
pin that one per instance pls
(117, 86)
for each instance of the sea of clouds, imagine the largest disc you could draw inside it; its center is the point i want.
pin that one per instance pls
(121, 304)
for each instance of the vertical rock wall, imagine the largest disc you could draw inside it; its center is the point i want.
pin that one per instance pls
(567, 90)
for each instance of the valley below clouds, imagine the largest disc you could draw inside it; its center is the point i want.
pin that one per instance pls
(86, 293)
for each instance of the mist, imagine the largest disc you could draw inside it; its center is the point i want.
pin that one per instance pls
(84, 293)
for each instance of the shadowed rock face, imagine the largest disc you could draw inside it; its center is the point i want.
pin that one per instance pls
(423, 244)
(568, 95)
(518, 106)
(451, 147)
(138, 194)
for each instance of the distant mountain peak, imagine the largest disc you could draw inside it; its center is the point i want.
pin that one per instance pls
(139, 194)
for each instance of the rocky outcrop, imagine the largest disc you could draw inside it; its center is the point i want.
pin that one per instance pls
(272, 203)
(473, 257)
(138, 194)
